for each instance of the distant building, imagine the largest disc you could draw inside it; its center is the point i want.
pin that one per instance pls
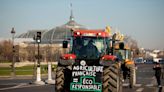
(51, 41)
(57, 34)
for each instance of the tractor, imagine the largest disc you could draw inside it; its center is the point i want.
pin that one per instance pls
(87, 64)
(125, 55)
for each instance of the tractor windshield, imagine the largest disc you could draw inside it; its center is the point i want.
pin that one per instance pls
(89, 47)
(123, 54)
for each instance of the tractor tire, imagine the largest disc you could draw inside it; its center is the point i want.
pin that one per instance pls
(112, 80)
(132, 77)
(106, 72)
(63, 77)
(59, 84)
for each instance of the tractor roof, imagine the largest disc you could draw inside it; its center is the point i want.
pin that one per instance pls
(93, 33)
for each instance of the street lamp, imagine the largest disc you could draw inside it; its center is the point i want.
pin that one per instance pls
(13, 54)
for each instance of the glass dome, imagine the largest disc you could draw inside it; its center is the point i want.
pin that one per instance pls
(57, 34)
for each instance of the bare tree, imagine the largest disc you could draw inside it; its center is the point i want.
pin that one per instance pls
(6, 50)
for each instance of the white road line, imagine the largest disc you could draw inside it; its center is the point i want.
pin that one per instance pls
(153, 81)
(149, 85)
(145, 71)
(137, 85)
(17, 86)
(125, 84)
(139, 89)
(143, 78)
(22, 85)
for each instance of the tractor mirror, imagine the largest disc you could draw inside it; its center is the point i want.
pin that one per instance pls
(65, 44)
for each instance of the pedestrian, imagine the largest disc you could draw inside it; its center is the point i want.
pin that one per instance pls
(157, 69)
(125, 71)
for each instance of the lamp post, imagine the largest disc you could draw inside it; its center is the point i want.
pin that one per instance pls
(13, 53)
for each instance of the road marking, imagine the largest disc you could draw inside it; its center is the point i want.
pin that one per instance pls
(125, 84)
(17, 86)
(21, 85)
(139, 89)
(145, 71)
(153, 81)
(137, 85)
(149, 85)
(143, 78)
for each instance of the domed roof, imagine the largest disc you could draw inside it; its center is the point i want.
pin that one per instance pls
(57, 34)
(30, 34)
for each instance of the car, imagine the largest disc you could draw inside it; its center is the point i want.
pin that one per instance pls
(149, 62)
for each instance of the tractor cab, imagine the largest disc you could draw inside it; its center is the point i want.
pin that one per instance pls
(89, 45)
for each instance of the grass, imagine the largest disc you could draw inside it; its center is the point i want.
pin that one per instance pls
(25, 70)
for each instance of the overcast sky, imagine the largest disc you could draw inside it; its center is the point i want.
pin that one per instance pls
(143, 20)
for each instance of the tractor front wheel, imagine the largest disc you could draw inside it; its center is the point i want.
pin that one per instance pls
(112, 79)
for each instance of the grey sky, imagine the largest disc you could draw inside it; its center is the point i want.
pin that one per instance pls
(141, 19)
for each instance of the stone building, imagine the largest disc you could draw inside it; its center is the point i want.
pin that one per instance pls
(51, 41)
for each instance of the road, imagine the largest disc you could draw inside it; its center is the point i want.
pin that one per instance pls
(145, 83)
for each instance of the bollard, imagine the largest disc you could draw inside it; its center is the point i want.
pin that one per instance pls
(38, 77)
(49, 80)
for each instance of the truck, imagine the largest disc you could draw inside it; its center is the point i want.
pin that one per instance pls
(87, 64)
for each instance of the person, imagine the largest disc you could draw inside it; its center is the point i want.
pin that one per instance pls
(125, 71)
(157, 69)
(91, 50)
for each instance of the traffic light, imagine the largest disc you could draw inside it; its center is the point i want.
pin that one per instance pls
(65, 44)
(38, 37)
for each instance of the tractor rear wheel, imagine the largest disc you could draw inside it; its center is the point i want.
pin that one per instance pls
(132, 76)
(106, 72)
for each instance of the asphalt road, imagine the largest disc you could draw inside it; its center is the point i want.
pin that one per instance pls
(145, 83)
